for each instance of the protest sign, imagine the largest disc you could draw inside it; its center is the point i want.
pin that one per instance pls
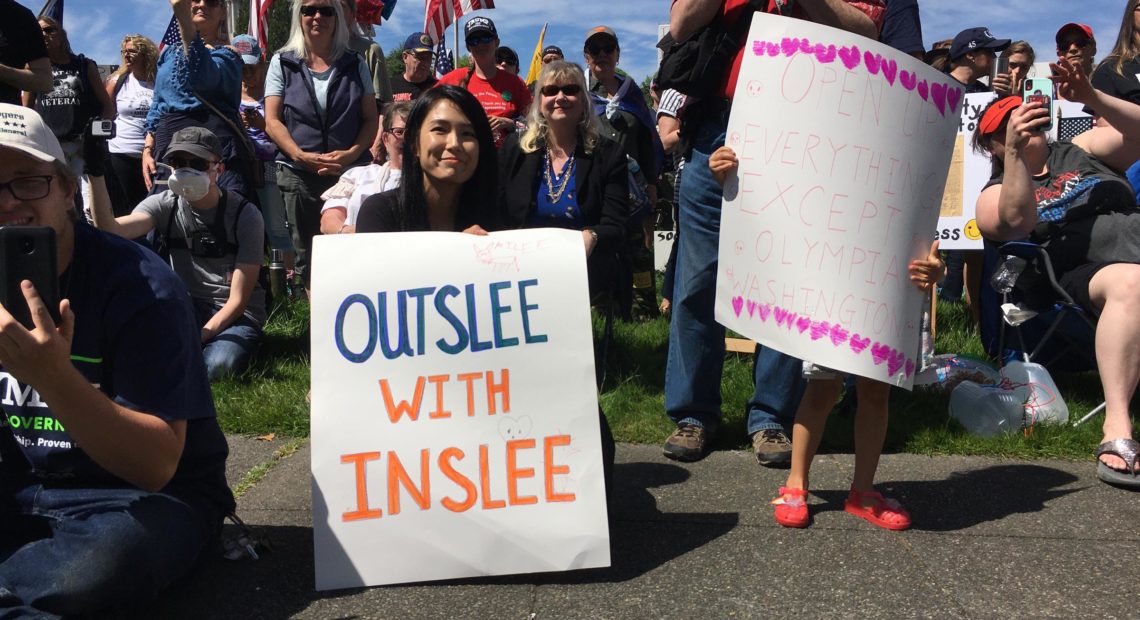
(969, 172)
(843, 146)
(454, 408)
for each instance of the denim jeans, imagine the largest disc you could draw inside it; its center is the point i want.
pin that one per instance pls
(230, 352)
(696, 341)
(71, 551)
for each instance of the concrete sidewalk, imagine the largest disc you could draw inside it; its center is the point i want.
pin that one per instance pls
(992, 538)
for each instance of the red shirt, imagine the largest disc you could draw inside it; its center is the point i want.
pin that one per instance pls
(504, 95)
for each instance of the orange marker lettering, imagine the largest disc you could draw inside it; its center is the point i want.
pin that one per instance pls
(362, 510)
(398, 476)
(550, 469)
(449, 470)
(485, 482)
(514, 473)
(394, 410)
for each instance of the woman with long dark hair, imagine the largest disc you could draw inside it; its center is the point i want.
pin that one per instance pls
(450, 172)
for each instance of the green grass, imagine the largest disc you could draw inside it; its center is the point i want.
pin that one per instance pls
(271, 397)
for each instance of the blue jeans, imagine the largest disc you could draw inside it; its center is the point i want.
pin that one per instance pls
(70, 551)
(230, 352)
(696, 341)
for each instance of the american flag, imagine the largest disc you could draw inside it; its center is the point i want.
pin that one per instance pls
(53, 9)
(258, 23)
(1070, 128)
(440, 14)
(173, 35)
(444, 63)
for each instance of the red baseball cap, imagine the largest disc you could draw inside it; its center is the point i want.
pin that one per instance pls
(997, 113)
(1084, 28)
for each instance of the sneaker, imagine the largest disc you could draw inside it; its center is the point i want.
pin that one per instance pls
(772, 447)
(687, 443)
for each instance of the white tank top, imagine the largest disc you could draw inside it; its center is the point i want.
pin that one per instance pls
(132, 104)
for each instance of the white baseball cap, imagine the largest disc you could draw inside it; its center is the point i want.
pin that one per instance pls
(24, 130)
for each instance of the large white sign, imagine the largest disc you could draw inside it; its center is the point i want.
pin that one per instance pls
(454, 410)
(843, 145)
(969, 172)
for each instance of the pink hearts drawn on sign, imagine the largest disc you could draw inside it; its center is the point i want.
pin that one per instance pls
(737, 304)
(838, 335)
(953, 96)
(805, 46)
(803, 323)
(938, 96)
(819, 329)
(890, 69)
(790, 46)
(895, 362)
(872, 62)
(858, 344)
(922, 90)
(880, 353)
(764, 310)
(772, 49)
(908, 79)
(780, 315)
(909, 368)
(849, 56)
(825, 55)
(751, 307)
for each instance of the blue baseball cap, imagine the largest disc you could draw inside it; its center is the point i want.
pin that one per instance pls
(418, 42)
(248, 48)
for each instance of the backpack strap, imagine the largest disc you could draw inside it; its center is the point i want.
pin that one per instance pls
(119, 84)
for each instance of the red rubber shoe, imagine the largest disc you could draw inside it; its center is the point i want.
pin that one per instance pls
(791, 508)
(883, 512)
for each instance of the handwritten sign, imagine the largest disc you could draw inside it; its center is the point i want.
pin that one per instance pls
(843, 146)
(969, 172)
(454, 411)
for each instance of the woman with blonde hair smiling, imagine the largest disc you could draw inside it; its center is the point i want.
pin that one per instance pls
(563, 173)
(131, 90)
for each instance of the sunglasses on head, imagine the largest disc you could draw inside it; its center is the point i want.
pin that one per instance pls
(601, 49)
(195, 163)
(480, 40)
(311, 10)
(570, 90)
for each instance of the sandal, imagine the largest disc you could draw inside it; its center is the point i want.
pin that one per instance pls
(1127, 449)
(883, 512)
(791, 508)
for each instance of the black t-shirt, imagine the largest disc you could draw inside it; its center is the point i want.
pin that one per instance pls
(1127, 86)
(379, 213)
(136, 339)
(403, 90)
(20, 43)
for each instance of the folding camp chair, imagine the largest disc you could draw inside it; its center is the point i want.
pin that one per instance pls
(1061, 332)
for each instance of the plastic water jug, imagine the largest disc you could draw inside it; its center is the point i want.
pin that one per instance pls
(1043, 401)
(986, 410)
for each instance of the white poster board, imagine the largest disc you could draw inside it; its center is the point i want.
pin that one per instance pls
(454, 409)
(969, 173)
(843, 146)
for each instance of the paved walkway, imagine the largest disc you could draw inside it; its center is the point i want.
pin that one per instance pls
(992, 538)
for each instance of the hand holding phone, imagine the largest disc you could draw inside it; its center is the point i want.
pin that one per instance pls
(1041, 90)
(28, 253)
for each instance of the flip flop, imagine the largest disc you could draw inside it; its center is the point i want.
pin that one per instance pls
(1127, 449)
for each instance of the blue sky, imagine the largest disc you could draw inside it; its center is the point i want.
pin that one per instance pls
(95, 27)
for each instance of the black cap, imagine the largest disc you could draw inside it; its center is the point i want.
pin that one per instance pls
(972, 39)
(507, 55)
(553, 49)
(197, 141)
(479, 24)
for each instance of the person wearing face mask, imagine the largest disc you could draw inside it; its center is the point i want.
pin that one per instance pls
(215, 242)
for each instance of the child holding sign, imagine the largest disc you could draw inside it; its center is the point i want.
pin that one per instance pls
(823, 390)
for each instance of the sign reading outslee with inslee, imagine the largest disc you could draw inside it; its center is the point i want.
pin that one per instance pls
(454, 412)
(844, 145)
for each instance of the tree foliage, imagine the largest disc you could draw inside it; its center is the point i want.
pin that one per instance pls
(278, 30)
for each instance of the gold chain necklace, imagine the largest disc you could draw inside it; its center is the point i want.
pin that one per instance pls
(551, 193)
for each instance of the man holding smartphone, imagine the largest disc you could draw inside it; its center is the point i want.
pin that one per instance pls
(112, 465)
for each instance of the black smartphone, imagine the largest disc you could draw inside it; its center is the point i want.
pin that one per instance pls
(28, 253)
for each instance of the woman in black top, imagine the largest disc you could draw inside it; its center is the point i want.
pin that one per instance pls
(449, 172)
(563, 173)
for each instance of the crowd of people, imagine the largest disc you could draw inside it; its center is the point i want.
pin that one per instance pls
(214, 152)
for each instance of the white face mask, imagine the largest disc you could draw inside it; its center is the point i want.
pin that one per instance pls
(191, 184)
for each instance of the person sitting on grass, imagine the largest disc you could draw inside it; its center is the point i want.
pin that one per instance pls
(343, 200)
(824, 387)
(118, 487)
(215, 240)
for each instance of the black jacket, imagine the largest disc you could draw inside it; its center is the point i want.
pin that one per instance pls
(602, 180)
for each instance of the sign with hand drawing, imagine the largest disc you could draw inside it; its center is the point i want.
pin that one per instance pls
(454, 411)
(843, 146)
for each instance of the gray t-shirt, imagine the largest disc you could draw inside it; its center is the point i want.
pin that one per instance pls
(209, 278)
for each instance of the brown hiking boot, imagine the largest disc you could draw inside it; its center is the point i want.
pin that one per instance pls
(687, 443)
(772, 448)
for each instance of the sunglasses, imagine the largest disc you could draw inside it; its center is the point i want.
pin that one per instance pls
(570, 90)
(325, 11)
(601, 49)
(195, 163)
(1080, 43)
(483, 40)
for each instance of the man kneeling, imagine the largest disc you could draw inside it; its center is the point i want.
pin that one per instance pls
(216, 242)
(112, 465)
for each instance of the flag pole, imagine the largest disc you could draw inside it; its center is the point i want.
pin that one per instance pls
(455, 41)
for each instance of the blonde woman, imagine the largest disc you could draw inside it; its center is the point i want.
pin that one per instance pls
(131, 90)
(563, 173)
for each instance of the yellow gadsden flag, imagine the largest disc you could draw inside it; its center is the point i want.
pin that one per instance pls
(536, 60)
